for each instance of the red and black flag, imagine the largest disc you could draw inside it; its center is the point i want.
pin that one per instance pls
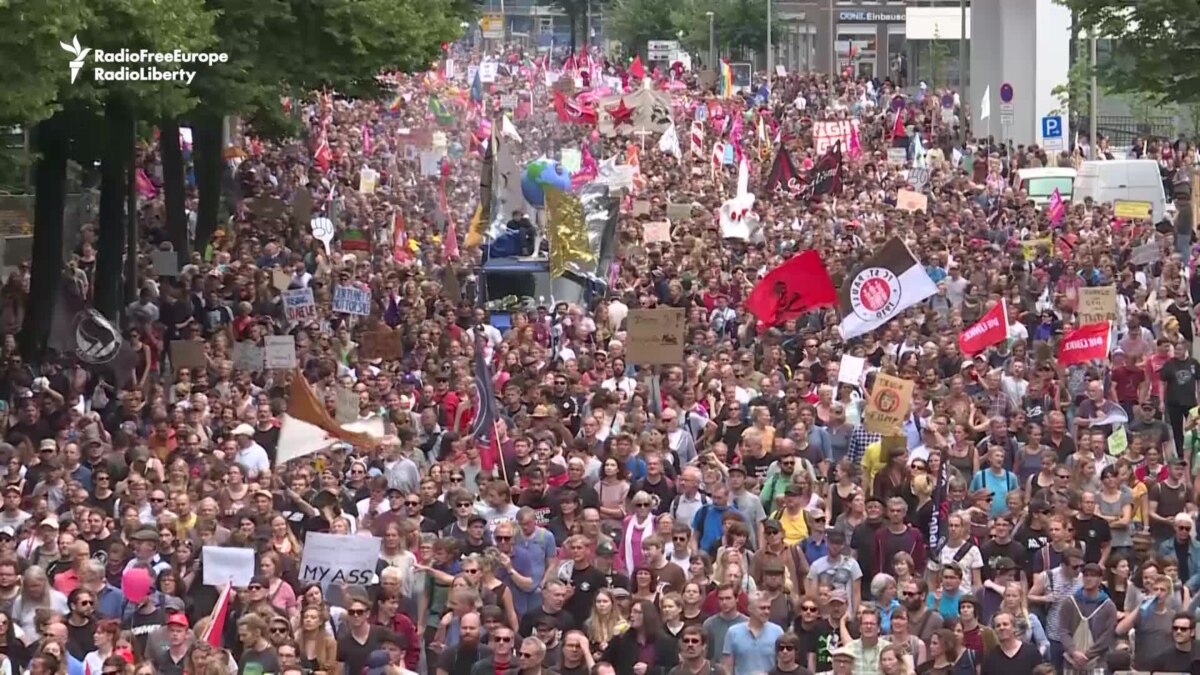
(825, 177)
(783, 179)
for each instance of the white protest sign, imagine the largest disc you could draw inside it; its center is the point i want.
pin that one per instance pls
(351, 300)
(280, 352)
(508, 101)
(322, 231)
(348, 405)
(431, 163)
(898, 156)
(571, 159)
(367, 180)
(247, 356)
(1146, 254)
(851, 370)
(487, 72)
(332, 558)
(298, 304)
(227, 565)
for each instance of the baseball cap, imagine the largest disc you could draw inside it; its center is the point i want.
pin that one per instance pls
(476, 518)
(605, 548)
(835, 537)
(838, 596)
(48, 444)
(378, 662)
(50, 522)
(772, 567)
(178, 619)
(243, 429)
(772, 525)
(843, 652)
(1006, 564)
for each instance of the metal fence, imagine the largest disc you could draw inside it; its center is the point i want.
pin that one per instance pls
(1121, 130)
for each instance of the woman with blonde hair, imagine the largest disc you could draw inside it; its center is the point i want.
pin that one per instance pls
(491, 590)
(315, 646)
(671, 606)
(893, 661)
(730, 567)
(606, 621)
(279, 592)
(1027, 626)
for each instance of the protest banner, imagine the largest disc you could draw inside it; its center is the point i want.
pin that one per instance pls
(887, 405)
(351, 300)
(280, 352)
(188, 354)
(656, 232)
(907, 200)
(247, 356)
(655, 336)
(827, 133)
(228, 565)
(1097, 304)
(298, 305)
(1146, 254)
(333, 558)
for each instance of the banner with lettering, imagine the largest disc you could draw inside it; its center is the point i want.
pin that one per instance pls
(1084, 344)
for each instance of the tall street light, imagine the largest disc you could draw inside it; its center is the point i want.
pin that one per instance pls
(770, 47)
(712, 43)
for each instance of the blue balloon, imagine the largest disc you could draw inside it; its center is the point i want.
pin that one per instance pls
(540, 174)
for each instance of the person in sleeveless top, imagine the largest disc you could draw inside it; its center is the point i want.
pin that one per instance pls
(1050, 589)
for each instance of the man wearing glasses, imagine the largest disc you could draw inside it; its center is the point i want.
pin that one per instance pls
(361, 637)
(1050, 591)
(693, 646)
(1182, 658)
(501, 641)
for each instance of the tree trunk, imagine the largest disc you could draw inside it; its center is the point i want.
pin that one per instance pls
(51, 185)
(206, 156)
(173, 187)
(110, 256)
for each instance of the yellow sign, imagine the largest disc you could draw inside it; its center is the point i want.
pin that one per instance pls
(1097, 304)
(1029, 248)
(887, 405)
(492, 26)
(1132, 210)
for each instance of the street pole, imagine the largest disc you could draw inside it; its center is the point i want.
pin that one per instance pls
(712, 43)
(833, 64)
(1094, 103)
(587, 26)
(962, 50)
(770, 46)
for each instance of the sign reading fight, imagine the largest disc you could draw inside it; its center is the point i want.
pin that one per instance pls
(333, 558)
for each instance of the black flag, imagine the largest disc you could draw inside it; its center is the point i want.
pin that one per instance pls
(825, 178)
(783, 179)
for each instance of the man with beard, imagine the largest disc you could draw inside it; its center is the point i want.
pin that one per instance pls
(534, 497)
(459, 659)
(576, 655)
(922, 621)
(693, 654)
(81, 624)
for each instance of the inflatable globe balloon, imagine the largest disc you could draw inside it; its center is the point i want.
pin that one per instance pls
(540, 174)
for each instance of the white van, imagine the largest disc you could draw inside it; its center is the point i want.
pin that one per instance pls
(1039, 184)
(1106, 181)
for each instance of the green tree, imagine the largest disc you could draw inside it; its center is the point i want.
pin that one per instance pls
(939, 53)
(739, 25)
(636, 22)
(1147, 38)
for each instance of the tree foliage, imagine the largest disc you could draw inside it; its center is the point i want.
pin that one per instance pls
(1151, 42)
(636, 22)
(738, 25)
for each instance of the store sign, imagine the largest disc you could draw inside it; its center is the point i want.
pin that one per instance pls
(867, 16)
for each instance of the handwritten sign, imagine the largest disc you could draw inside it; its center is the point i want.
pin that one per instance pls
(281, 280)
(887, 405)
(347, 405)
(298, 305)
(655, 336)
(1097, 304)
(658, 232)
(333, 558)
(897, 156)
(280, 353)
(1131, 210)
(641, 207)
(907, 200)
(1146, 254)
(351, 300)
(247, 356)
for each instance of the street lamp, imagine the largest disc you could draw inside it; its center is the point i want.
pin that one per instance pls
(770, 47)
(712, 43)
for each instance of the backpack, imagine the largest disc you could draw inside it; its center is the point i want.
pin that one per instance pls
(704, 501)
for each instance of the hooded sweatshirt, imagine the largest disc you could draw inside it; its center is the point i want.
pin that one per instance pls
(1099, 614)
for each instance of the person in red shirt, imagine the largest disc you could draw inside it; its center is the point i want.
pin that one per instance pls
(1129, 382)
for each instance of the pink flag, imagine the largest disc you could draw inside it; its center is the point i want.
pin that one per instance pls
(1055, 208)
(735, 138)
(587, 163)
(145, 187)
(366, 140)
(855, 149)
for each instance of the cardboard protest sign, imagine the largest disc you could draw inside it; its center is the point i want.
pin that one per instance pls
(351, 300)
(656, 232)
(907, 200)
(678, 211)
(248, 356)
(655, 336)
(1146, 254)
(280, 353)
(298, 305)
(302, 206)
(641, 207)
(281, 280)
(166, 263)
(333, 558)
(1097, 304)
(367, 180)
(383, 344)
(188, 354)
(228, 565)
(887, 405)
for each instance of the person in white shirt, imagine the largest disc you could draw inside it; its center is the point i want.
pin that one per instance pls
(250, 455)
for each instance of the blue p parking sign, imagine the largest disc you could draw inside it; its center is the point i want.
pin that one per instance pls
(1052, 126)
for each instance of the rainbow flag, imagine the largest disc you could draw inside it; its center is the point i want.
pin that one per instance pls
(726, 79)
(396, 105)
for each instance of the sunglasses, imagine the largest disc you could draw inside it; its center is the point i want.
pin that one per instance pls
(456, 479)
(526, 655)
(642, 505)
(503, 538)
(254, 587)
(1064, 476)
(785, 648)
(86, 603)
(692, 641)
(1181, 629)
(356, 612)
(808, 609)
(412, 503)
(501, 638)
(281, 631)
(464, 505)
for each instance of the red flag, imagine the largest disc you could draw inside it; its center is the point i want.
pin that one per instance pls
(324, 155)
(216, 620)
(450, 238)
(1084, 344)
(636, 69)
(366, 140)
(400, 251)
(571, 111)
(898, 127)
(991, 329)
(797, 286)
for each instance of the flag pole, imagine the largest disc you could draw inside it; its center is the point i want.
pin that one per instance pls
(499, 450)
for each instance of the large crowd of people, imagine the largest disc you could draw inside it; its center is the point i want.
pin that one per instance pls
(727, 514)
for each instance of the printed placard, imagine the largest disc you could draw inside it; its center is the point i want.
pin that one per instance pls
(280, 352)
(907, 200)
(887, 405)
(368, 179)
(1097, 304)
(351, 300)
(851, 369)
(828, 132)
(897, 156)
(508, 101)
(228, 565)
(339, 558)
(247, 356)
(298, 305)
(655, 336)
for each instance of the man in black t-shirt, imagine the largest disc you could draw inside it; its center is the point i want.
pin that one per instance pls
(1180, 376)
(554, 598)
(1001, 545)
(1011, 655)
(459, 659)
(585, 579)
(1183, 657)
(1091, 531)
(358, 637)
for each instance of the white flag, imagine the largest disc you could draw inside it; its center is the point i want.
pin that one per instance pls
(743, 183)
(985, 108)
(669, 143)
(508, 129)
